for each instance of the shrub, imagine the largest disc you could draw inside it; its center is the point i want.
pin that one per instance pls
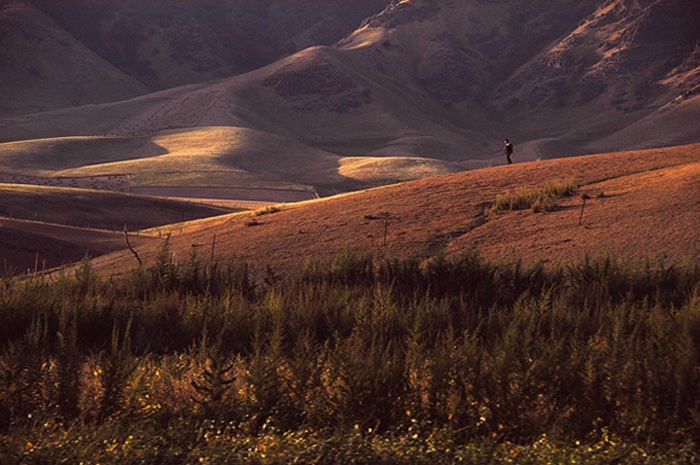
(216, 376)
(68, 364)
(23, 376)
(540, 199)
(460, 349)
(117, 363)
(267, 210)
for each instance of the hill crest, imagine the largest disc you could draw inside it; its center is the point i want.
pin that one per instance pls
(646, 210)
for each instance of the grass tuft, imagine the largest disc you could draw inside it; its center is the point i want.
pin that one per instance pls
(267, 210)
(540, 199)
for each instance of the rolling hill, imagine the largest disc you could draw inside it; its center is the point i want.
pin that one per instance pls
(28, 247)
(58, 226)
(94, 209)
(643, 205)
(211, 157)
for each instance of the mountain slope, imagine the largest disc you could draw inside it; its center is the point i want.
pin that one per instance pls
(577, 71)
(167, 43)
(675, 122)
(459, 51)
(43, 68)
(622, 62)
(321, 97)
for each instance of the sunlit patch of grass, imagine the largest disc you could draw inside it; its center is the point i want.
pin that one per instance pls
(267, 210)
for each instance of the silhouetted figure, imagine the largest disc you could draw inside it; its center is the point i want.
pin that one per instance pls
(508, 151)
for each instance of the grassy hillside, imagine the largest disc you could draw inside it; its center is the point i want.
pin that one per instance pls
(44, 68)
(636, 210)
(210, 157)
(672, 123)
(101, 210)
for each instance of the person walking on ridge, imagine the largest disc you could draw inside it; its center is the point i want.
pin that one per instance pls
(508, 151)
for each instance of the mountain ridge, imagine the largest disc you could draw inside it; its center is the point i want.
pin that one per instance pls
(202, 39)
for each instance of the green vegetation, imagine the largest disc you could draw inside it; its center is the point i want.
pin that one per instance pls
(353, 361)
(541, 199)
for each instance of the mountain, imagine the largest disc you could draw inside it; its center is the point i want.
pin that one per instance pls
(44, 68)
(166, 43)
(421, 88)
(621, 63)
(460, 51)
(576, 71)
(319, 104)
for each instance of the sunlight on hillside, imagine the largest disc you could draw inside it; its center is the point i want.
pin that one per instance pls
(396, 168)
(204, 144)
(366, 37)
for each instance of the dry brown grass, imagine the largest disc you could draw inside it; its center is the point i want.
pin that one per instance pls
(539, 199)
(643, 214)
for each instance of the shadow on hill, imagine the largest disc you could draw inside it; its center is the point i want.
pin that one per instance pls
(100, 210)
